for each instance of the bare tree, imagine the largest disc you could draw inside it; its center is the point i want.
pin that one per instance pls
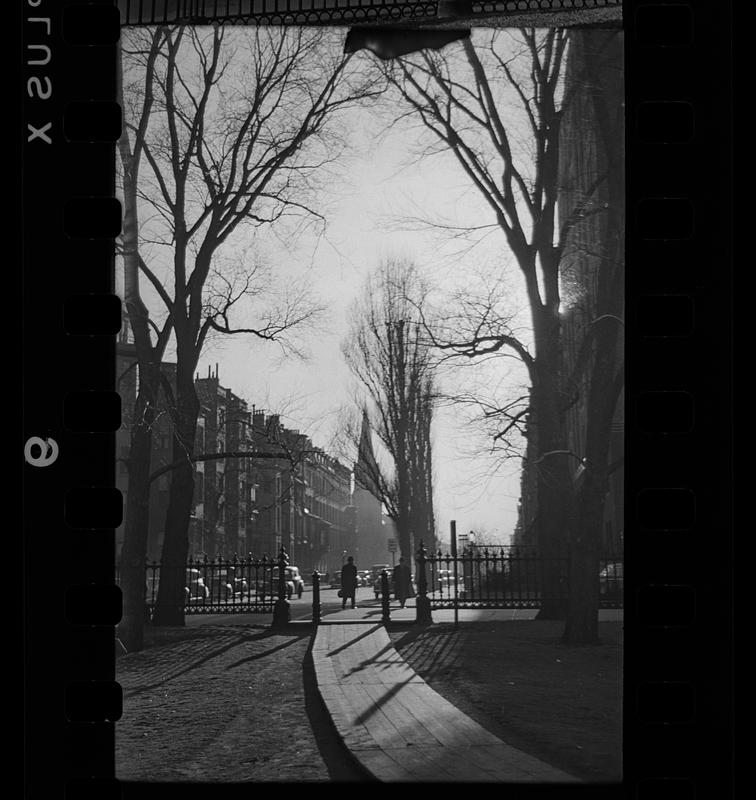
(594, 252)
(239, 134)
(150, 343)
(467, 97)
(481, 353)
(387, 353)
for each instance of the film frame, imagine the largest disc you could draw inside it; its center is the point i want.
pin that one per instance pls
(678, 691)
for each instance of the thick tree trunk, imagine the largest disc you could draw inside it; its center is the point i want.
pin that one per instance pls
(170, 602)
(554, 514)
(602, 55)
(554, 473)
(581, 627)
(136, 523)
(586, 543)
(404, 534)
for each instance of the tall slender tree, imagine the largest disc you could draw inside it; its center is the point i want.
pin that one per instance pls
(388, 354)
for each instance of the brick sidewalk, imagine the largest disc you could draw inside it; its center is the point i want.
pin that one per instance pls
(225, 703)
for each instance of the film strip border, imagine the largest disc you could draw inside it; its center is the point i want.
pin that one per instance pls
(348, 12)
(679, 503)
(679, 533)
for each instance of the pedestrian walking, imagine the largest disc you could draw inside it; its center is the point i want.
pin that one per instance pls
(402, 582)
(348, 582)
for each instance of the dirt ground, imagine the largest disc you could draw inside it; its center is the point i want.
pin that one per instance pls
(560, 704)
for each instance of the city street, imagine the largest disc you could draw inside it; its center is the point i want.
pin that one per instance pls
(368, 608)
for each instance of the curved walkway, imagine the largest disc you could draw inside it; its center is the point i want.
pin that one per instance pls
(399, 728)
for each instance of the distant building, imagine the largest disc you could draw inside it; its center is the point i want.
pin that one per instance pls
(304, 498)
(329, 527)
(224, 487)
(269, 488)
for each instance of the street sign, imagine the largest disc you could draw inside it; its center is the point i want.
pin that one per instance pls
(392, 548)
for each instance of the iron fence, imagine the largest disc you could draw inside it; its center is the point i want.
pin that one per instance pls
(506, 577)
(510, 577)
(218, 586)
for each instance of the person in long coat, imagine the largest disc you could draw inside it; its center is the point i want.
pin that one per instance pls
(402, 582)
(348, 581)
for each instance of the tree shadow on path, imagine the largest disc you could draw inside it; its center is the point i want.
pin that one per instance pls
(235, 642)
(341, 765)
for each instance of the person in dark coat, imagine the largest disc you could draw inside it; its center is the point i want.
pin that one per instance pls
(348, 582)
(402, 582)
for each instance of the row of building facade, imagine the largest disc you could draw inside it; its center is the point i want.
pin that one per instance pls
(258, 485)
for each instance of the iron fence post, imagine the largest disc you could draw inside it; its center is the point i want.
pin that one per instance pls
(282, 607)
(385, 598)
(316, 597)
(456, 571)
(422, 606)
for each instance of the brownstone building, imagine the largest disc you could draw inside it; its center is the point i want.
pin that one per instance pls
(225, 488)
(258, 486)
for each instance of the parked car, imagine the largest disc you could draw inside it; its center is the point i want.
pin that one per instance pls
(292, 575)
(195, 588)
(226, 584)
(612, 580)
(273, 581)
(445, 577)
(364, 577)
(336, 580)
